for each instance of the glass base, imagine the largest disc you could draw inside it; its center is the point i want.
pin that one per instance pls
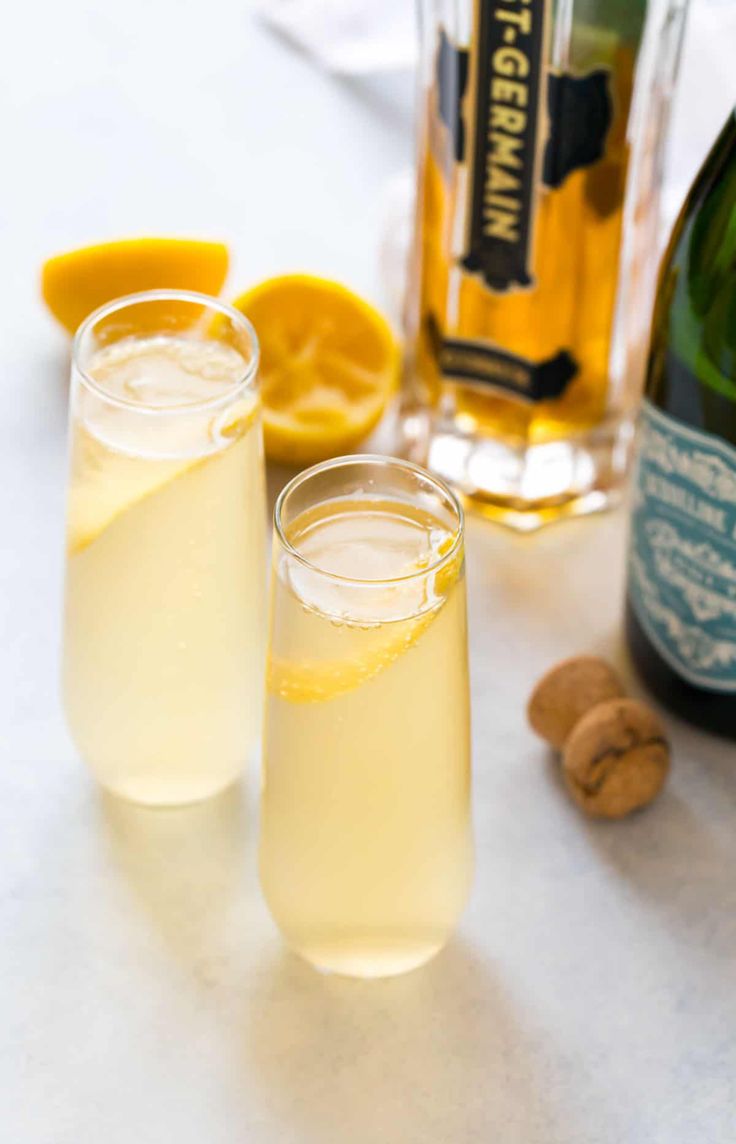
(522, 485)
(368, 957)
(169, 797)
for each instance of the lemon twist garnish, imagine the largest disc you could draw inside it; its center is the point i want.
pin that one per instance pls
(316, 681)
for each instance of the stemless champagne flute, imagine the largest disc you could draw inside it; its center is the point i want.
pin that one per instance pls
(163, 640)
(366, 845)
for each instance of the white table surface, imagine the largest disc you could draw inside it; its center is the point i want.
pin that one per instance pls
(590, 994)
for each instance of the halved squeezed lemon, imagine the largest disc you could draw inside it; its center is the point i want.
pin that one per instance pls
(329, 364)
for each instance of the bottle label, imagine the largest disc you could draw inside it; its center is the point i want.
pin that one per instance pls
(506, 73)
(507, 131)
(682, 559)
(529, 126)
(477, 361)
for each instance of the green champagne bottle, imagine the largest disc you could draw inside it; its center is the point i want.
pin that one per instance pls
(681, 599)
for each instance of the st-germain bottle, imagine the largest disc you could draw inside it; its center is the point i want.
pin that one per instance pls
(681, 608)
(540, 131)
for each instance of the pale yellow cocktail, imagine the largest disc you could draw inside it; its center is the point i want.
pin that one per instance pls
(366, 852)
(163, 646)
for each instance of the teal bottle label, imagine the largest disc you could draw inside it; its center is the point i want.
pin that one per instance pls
(682, 560)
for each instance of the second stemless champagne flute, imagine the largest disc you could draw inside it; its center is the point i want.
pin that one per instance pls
(366, 847)
(163, 641)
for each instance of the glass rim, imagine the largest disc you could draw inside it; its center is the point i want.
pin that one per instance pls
(383, 461)
(244, 383)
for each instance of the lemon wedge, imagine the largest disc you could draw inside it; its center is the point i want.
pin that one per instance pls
(76, 283)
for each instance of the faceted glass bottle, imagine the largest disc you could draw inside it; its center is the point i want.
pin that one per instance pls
(540, 137)
(681, 607)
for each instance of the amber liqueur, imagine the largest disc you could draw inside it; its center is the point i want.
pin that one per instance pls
(522, 177)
